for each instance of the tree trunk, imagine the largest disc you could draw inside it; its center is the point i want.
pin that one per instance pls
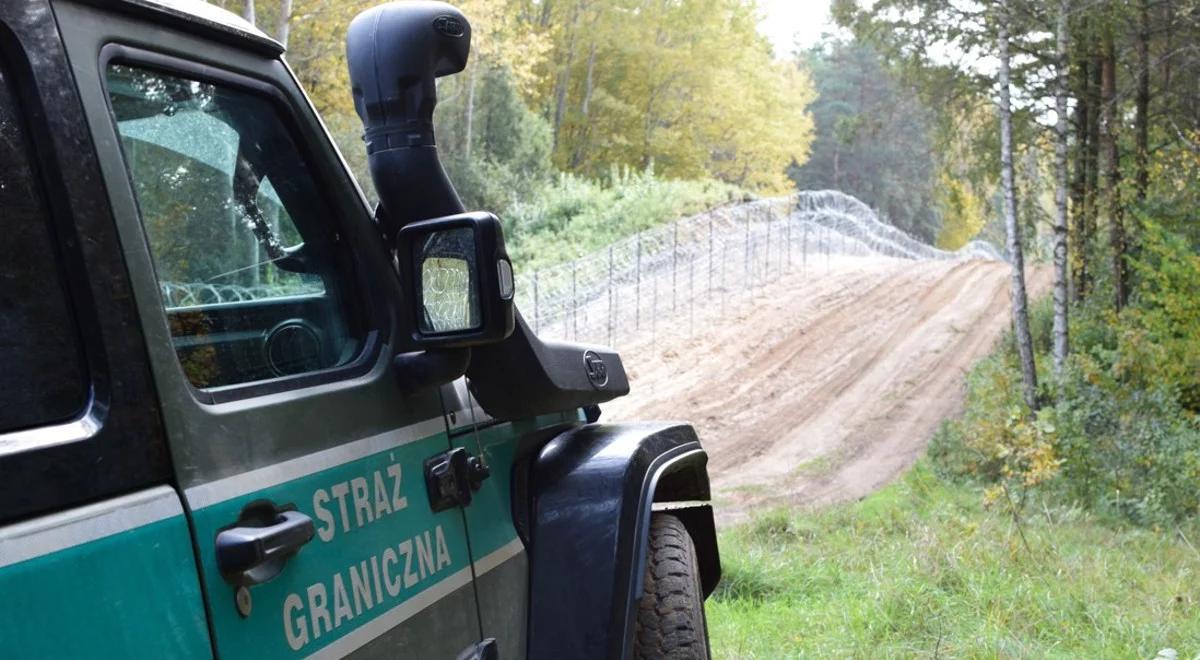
(1091, 200)
(589, 82)
(1060, 196)
(1168, 19)
(1112, 173)
(1142, 118)
(248, 12)
(564, 77)
(472, 81)
(1020, 307)
(283, 26)
(837, 165)
(585, 109)
(1079, 189)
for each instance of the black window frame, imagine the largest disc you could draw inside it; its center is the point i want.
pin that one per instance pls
(117, 444)
(61, 427)
(362, 304)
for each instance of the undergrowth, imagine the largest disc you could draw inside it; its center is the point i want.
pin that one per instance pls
(1119, 434)
(572, 216)
(923, 569)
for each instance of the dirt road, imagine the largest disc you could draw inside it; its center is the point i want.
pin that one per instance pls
(823, 388)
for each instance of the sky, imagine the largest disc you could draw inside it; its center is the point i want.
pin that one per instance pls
(786, 21)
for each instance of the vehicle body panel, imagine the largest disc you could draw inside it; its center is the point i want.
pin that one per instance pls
(290, 440)
(95, 559)
(115, 579)
(501, 556)
(592, 492)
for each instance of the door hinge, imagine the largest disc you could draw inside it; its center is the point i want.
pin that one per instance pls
(452, 477)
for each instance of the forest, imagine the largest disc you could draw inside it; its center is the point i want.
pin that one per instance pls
(1094, 111)
(580, 122)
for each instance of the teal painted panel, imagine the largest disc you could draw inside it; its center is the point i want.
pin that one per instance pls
(380, 555)
(134, 594)
(489, 518)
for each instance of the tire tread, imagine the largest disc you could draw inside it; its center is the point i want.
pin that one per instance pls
(670, 618)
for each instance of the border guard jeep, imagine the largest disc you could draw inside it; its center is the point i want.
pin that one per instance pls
(242, 414)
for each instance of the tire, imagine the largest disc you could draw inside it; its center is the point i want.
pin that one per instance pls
(670, 617)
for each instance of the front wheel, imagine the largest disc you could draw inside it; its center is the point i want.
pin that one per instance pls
(670, 617)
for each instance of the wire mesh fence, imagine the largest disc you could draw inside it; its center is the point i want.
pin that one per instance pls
(667, 280)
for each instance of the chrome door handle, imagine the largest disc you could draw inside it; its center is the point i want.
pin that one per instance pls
(249, 553)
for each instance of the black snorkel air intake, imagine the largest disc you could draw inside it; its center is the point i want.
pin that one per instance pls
(395, 52)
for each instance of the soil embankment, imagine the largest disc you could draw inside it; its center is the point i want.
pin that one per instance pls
(822, 388)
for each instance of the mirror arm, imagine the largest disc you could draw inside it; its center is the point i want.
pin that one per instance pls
(295, 260)
(430, 368)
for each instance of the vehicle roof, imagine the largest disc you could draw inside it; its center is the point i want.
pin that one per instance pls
(206, 19)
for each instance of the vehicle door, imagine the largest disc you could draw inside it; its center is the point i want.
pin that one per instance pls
(95, 554)
(494, 516)
(268, 305)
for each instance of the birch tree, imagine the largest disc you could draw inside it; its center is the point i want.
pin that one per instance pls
(1019, 300)
(1061, 336)
(283, 25)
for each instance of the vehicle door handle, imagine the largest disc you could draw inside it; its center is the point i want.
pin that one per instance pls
(250, 554)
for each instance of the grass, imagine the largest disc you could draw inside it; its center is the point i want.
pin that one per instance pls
(922, 569)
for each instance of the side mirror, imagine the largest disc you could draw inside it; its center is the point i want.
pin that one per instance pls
(458, 280)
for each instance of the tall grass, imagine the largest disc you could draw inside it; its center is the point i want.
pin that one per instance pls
(922, 569)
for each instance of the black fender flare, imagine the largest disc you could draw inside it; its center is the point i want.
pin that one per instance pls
(593, 489)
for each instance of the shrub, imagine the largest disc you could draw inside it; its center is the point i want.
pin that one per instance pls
(573, 216)
(1120, 431)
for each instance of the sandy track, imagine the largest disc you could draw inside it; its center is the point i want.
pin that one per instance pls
(824, 387)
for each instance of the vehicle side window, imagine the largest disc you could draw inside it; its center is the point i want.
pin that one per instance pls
(243, 243)
(43, 379)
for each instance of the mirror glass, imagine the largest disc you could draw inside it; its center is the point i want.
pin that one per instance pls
(448, 268)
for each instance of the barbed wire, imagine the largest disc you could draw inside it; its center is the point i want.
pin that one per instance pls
(662, 280)
(666, 277)
(195, 294)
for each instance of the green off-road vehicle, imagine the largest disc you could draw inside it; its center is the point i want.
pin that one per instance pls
(243, 414)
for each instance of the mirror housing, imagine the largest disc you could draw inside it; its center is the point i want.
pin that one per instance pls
(458, 281)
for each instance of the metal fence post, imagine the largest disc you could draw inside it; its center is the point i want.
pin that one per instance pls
(610, 295)
(787, 226)
(653, 310)
(691, 294)
(767, 254)
(710, 254)
(637, 286)
(674, 262)
(804, 248)
(828, 247)
(574, 303)
(746, 258)
(536, 312)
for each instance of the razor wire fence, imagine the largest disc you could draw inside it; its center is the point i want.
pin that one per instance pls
(665, 280)
(178, 295)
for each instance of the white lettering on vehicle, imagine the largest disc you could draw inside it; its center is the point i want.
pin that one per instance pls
(325, 606)
(369, 500)
(304, 622)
